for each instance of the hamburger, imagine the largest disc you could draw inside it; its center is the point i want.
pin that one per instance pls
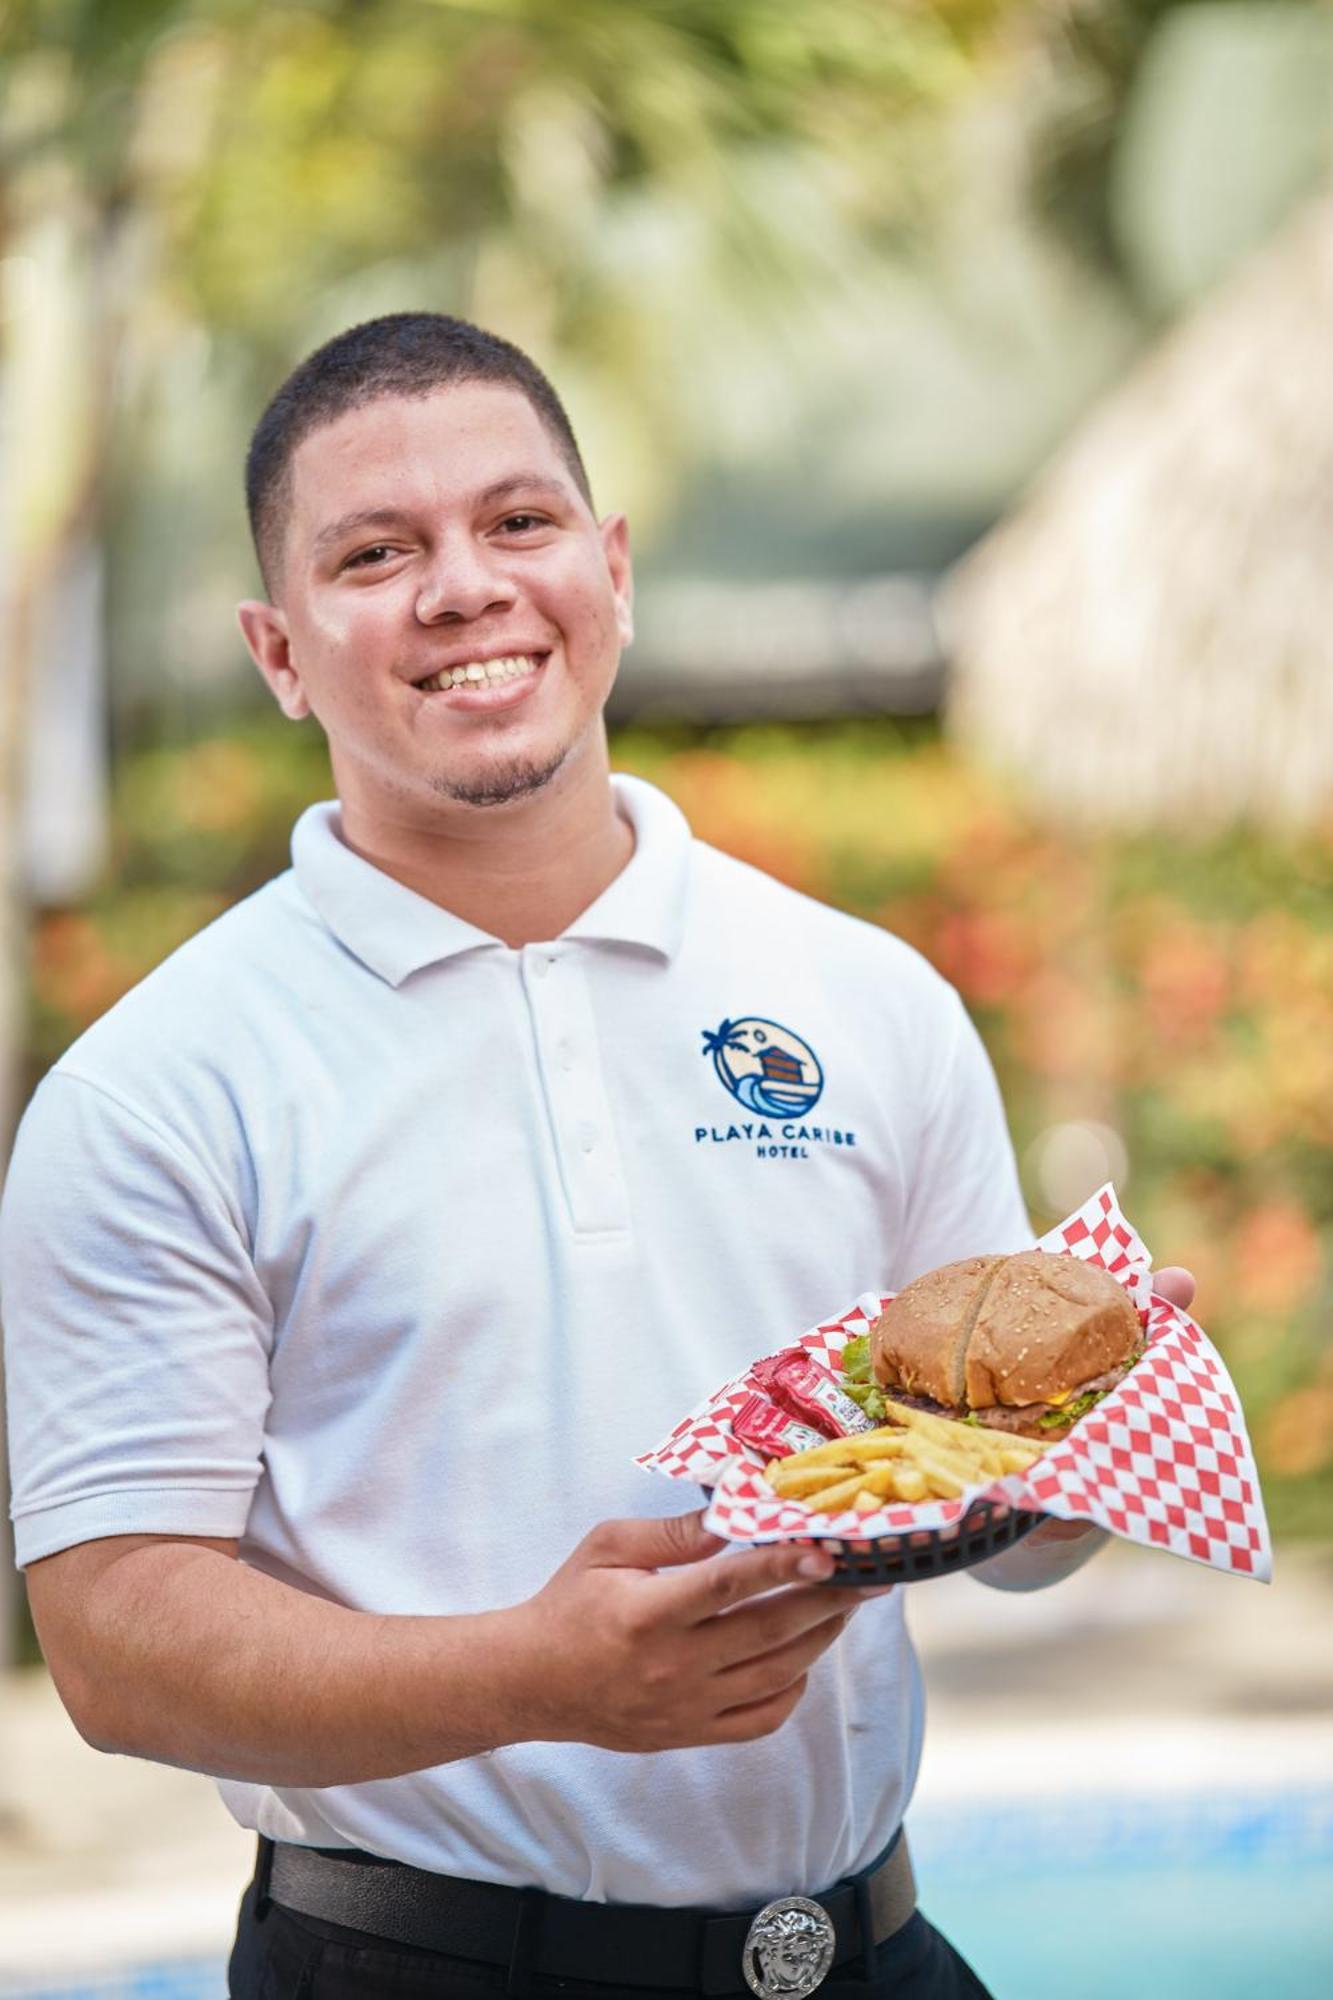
(1027, 1343)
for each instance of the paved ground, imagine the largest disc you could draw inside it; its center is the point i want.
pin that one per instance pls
(1143, 1673)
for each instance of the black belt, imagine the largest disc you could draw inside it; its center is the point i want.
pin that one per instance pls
(623, 1944)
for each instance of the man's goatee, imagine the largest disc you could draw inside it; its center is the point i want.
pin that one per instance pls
(514, 781)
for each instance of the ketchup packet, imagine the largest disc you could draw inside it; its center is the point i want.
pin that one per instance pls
(809, 1392)
(764, 1427)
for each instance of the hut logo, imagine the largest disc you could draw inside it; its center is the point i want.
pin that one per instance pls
(765, 1066)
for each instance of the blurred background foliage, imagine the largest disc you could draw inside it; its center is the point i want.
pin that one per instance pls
(824, 288)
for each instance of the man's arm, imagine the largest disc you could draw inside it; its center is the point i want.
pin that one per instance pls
(646, 1638)
(1048, 1555)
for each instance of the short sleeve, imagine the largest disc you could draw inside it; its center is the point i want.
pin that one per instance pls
(137, 1334)
(964, 1197)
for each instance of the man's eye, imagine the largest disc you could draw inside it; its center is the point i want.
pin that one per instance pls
(365, 557)
(522, 524)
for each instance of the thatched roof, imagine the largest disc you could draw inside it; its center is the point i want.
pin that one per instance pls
(1148, 638)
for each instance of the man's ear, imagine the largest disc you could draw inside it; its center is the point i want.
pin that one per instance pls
(265, 631)
(615, 541)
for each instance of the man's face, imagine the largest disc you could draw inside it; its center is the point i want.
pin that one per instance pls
(436, 535)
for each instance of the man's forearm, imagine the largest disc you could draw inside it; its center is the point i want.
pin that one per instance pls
(206, 1663)
(1048, 1555)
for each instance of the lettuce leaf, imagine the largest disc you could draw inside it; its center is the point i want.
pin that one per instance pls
(857, 1379)
(856, 1359)
(1070, 1412)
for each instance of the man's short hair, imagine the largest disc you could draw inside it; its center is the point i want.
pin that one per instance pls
(402, 354)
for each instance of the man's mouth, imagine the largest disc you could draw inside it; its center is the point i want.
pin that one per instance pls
(484, 673)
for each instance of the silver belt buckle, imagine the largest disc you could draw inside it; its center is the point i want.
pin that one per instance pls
(788, 1949)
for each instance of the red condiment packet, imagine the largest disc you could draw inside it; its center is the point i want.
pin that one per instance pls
(810, 1392)
(766, 1428)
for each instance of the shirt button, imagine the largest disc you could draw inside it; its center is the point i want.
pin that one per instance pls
(568, 1058)
(542, 964)
(587, 1137)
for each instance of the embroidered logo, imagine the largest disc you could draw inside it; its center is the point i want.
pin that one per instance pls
(765, 1067)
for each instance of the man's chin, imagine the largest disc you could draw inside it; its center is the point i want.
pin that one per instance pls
(502, 783)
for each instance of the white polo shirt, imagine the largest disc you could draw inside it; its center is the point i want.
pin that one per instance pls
(355, 1234)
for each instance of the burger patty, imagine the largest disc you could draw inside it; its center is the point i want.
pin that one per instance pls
(1022, 1418)
(1025, 1418)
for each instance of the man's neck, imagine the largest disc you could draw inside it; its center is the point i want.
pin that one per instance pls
(522, 872)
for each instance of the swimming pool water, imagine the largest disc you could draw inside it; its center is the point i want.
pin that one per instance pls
(1216, 1898)
(172, 1979)
(1188, 1899)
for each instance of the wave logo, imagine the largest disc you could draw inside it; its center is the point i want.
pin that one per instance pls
(765, 1066)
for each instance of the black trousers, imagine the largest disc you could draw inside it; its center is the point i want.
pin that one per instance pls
(281, 1956)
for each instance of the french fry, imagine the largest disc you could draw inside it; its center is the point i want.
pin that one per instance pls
(873, 1445)
(866, 1503)
(986, 1452)
(836, 1451)
(909, 1483)
(1016, 1456)
(834, 1498)
(796, 1482)
(804, 1471)
(1019, 1458)
(883, 1442)
(878, 1484)
(941, 1428)
(945, 1483)
(883, 1479)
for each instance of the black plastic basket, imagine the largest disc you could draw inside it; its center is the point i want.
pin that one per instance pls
(987, 1527)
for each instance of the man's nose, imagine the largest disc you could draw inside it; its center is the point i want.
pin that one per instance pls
(463, 582)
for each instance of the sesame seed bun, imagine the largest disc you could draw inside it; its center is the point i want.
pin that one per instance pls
(1047, 1325)
(919, 1342)
(1009, 1339)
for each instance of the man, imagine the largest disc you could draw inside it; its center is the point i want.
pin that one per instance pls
(352, 1256)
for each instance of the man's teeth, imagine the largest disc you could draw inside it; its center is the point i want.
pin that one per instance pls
(480, 672)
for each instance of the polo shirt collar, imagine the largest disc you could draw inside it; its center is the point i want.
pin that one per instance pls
(396, 932)
(645, 904)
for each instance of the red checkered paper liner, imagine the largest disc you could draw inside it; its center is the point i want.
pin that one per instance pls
(1164, 1459)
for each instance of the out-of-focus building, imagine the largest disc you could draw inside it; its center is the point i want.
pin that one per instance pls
(1148, 639)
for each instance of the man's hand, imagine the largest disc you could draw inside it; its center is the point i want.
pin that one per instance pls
(1175, 1284)
(1057, 1548)
(647, 1638)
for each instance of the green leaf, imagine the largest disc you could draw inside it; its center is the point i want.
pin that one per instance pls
(1061, 1419)
(857, 1379)
(856, 1359)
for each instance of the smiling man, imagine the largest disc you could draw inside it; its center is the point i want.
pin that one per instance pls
(350, 1258)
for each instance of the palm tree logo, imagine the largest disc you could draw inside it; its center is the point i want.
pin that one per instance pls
(730, 1035)
(764, 1066)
